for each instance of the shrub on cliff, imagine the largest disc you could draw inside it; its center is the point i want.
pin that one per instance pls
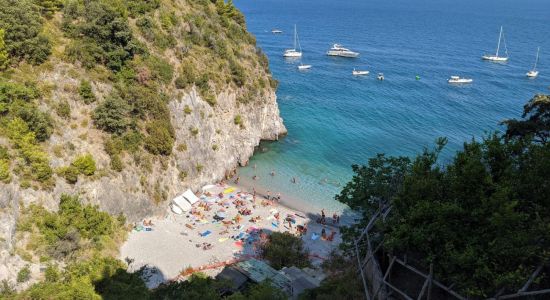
(22, 23)
(85, 164)
(160, 138)
(112, 115)
(85, 92)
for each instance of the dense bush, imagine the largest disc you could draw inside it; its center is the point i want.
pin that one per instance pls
(85, 92)
(140, 7)
(35, 161)
(4, 58)
(160, 138)
(112, 115)
(49, 7)
(285, 250)
(61, 234)
(101, 34)
(85, 164)
(63, 109)
(22, 23)
(70, 174)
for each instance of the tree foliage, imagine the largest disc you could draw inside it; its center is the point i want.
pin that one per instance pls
(482, 220)
(285, 250)
(112, 115)
(22, 23)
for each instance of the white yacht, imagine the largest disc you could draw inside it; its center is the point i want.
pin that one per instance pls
(339, 50)
(496, 57)
(291, 53)
(534, 73)
(458, 79)
(359, 72)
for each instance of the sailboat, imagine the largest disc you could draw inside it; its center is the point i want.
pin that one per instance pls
(496, 58)
(293, 52)
(534, 73)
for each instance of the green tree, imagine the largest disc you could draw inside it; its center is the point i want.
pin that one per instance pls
(112, 115)
(4, 58)
(49, 7)
(22, 23)
(285, 250)
(482, 220)
(160, 138)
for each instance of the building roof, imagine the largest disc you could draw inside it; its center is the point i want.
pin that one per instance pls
(233, 275)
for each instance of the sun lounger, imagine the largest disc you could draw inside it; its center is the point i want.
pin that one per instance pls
(221, 240)
(274, 224)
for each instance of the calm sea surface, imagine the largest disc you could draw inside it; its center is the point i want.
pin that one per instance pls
(336, 120)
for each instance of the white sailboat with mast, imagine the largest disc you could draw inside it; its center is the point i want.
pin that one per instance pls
(534, 73)
(293, 52)
(496, 57)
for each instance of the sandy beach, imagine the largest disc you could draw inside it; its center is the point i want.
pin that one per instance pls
(212, 235)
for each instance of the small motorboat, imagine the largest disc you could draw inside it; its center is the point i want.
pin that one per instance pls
(458, 79)
(380, 76)
(304, 67)
(276, 31)
(359, 72)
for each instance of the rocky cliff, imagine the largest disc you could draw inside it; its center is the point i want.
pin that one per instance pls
(217, 115)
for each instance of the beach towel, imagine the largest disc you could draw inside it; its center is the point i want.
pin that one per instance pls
(148, 229)
(189, 226)
(239, 244)
(276, 225)
(203, 221)
(206, 233)
(229, 190)
(314, 236)
(221, 240)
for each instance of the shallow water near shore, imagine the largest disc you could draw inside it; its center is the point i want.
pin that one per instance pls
(335, 119)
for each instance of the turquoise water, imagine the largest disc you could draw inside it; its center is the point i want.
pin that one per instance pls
(335, 120)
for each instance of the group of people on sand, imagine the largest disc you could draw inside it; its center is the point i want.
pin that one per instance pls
(330, 237)
(323, 220)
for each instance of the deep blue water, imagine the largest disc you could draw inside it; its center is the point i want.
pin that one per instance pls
(335, 120)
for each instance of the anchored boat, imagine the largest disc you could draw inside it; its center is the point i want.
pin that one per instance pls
(293, 52)
(458, 79)
(359, 72)
(534, 73)
(339, 50)
(496, 57)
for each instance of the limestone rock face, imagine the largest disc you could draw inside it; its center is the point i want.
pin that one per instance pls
(209, 145)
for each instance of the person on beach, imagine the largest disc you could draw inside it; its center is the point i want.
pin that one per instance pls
(255, 177)
(334, 217)
(337, 219)
(293, 180)
(268, 195)
(323, 234)
(278, 197)
(237, 180)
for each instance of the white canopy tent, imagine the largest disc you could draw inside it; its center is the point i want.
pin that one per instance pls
(190, 196)
(183, 202)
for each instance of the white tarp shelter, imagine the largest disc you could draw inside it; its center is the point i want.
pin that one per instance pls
(183, 202)
(190, 197)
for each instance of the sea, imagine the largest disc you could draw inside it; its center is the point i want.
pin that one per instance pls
(335, 120)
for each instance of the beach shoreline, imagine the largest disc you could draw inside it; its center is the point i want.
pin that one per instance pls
(177, 245)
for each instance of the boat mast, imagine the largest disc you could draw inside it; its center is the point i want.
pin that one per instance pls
(536, 59)
(294, 36)
(499, 37)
